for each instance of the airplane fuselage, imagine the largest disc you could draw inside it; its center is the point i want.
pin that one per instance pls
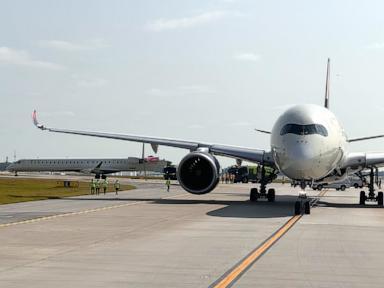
(308, 142)
(95, 166)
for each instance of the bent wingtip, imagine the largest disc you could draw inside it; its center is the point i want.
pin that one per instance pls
(35, 122)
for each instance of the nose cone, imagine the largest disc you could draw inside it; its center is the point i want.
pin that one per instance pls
(301, 161)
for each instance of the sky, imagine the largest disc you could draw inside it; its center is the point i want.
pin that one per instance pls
(208, 71)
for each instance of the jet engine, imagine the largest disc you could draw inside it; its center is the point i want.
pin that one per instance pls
(198, 172)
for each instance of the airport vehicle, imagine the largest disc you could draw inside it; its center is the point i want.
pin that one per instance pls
(307, 144)
(355, 182)
(245, 174)
(170, 173)
(99, 167)
(242, 174)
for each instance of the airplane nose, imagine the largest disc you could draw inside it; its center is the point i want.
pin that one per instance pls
(302, 157)
(299, 161)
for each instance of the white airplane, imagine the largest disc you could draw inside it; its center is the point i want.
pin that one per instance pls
(308, 145)
(99, 167)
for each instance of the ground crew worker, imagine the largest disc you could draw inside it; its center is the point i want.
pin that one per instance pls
(105, 185)
(117, 186)
(97, 186)
(92, 187)
(168, 183)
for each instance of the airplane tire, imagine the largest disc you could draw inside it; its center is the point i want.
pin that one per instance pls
(362, 198)
(380, 198)
(307, 208)
(254, 195)
(271, 195)
(297, 208)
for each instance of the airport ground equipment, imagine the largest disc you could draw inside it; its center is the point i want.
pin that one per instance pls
(169, 172)
(245, 174)
(349, 182)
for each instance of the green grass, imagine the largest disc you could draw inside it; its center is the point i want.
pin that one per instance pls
(14, 190)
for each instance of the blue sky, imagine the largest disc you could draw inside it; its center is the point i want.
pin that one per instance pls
(199, 70)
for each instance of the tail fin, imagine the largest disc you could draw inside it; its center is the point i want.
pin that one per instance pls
(326, 102)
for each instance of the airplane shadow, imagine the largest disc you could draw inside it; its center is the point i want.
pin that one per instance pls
(348, 205)
(260, 209)
(283, 207)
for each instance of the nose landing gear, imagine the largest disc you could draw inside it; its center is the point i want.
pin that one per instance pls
(302, 205)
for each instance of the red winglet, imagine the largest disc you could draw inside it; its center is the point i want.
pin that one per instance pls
(34, 118)
(35, 122)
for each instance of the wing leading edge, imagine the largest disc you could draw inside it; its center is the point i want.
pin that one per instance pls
(248, 154)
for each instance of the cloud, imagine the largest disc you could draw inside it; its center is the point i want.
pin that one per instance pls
(89, 82)
(71, 46)
(182, 90)
(58, 114)
(189, 22)
(377, 45)
(195, 126)
(251, 57)
(240, 124)
(281, 107)
(23, 58)
(97, 82)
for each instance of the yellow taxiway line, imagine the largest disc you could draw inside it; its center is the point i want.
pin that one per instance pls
(254, 255)
(229, 278)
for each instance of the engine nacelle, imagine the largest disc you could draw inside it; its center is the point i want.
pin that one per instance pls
(198, 172)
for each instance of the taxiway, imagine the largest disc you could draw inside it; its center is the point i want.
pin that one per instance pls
(150, 238)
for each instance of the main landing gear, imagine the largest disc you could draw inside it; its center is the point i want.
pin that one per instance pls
(255, 194)
(302, 205)
(371, 194)
(263, 193)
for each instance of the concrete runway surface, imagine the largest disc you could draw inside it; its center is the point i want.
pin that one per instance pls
(150, 238)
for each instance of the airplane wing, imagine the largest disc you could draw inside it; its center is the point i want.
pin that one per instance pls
(364, 160)
(365, 138)
(248, 154)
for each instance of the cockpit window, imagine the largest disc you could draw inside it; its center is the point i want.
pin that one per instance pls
(304, 129)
